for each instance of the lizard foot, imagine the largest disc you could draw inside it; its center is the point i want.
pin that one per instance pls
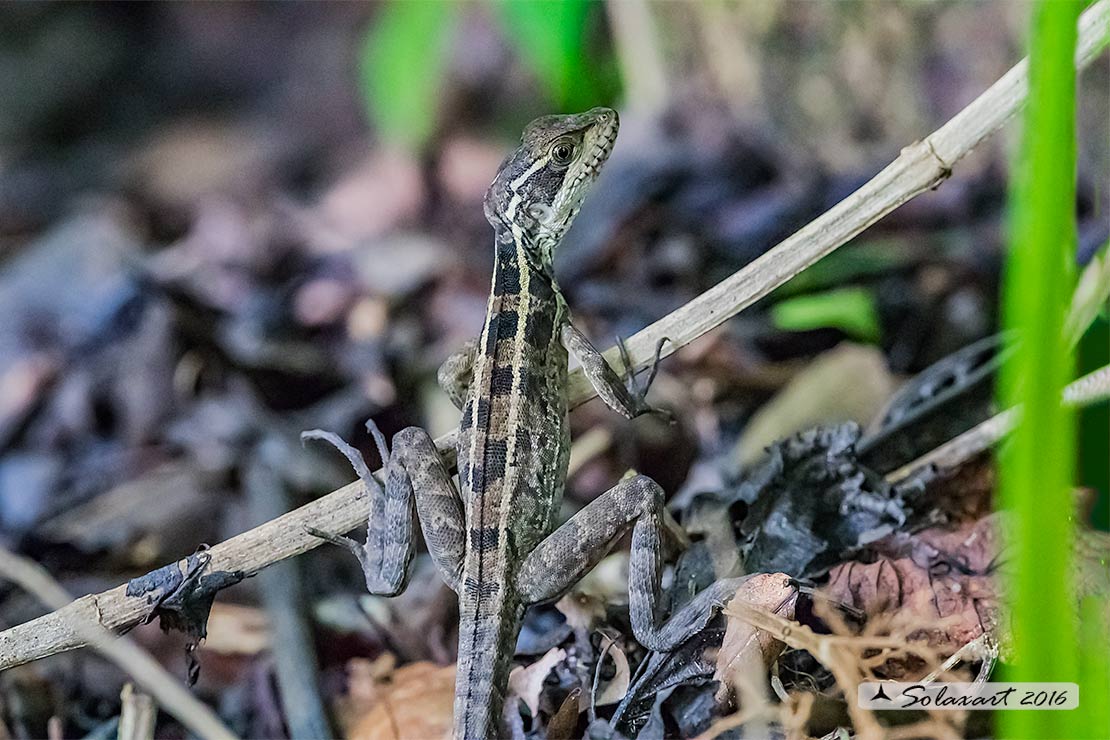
(346, 543)
(353, 455)
(639, 394)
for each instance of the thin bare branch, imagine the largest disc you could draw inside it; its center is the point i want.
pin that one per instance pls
(138, 715)
(920, 167)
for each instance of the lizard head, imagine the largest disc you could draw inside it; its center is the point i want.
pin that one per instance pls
(540, 186)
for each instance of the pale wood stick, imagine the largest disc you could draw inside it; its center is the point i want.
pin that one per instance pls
(138, 715)
(920, 167)
(168, 691)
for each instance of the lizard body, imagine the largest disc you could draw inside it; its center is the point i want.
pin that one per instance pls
(494, 540)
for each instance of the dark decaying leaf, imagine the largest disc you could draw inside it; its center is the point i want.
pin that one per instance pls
(544, 628)
(693, 660)
(939, 403)
(182, 601)
(811, 504)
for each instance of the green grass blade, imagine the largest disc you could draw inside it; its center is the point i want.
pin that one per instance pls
(1037, 466)
(1094, 668)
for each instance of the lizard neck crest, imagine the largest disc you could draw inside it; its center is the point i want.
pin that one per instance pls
(540, 185)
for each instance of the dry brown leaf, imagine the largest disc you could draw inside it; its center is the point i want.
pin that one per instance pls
(743, 643)
(236, 630)
(415, 701)
(848, 383)
(936, 577)
(390, 179)
(581, 610)
(367, 679)
(565, 719)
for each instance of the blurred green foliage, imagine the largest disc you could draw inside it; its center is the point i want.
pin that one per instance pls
(1088, 329)
(405, 50)
(1091, 295)
(1094, 425)
(852, 310)
(852, 263)
(550, 36)
(401, 65)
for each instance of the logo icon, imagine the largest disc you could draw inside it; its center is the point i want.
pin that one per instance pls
(880, 694)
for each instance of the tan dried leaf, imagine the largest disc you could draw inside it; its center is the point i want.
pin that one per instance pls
(526, 682)
(565, 719)
(617, 687)
(745, 647)
(416, 701)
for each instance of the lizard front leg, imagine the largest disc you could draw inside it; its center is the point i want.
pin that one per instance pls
(561, 559)
(414, 471)
(619, 394)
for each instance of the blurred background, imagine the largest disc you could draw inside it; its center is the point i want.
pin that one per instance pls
(223, 223)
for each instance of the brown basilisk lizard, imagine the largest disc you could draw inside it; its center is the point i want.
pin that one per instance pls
(494, 539)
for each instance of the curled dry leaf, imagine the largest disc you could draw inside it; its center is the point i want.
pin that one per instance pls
(744, 643)
(617, 687)
(581, 610)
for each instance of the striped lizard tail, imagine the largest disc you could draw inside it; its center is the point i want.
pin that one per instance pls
(483, 670)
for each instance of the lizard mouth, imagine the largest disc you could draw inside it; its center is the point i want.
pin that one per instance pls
(600, 145)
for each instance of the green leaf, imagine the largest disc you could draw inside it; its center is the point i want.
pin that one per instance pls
(852, 310)
(401, 68)
(550, 36)
(851, 263)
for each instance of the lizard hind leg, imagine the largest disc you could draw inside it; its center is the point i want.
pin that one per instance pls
(560, 560)
(414, 473)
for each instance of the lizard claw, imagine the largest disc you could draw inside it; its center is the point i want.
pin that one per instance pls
(379, 441)
(352, 454)
(639, 394)
(338, 539)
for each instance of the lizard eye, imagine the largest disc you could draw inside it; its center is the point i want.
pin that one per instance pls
(562, 152)
(540, 211)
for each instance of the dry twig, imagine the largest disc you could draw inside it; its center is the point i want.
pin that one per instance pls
(921, 166)
(137, 715)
